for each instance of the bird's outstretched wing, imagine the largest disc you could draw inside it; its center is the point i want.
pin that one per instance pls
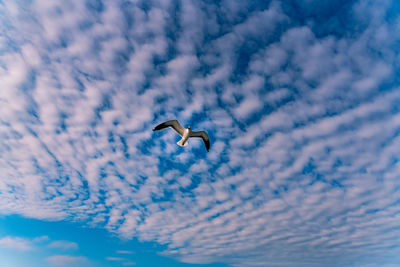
(174, 124)
(203, 135)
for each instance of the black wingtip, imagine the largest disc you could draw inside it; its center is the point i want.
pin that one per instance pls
(158, 127)
(207, 145)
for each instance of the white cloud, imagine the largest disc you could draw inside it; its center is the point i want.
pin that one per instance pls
(16, 243)
(66, 260)
(115, 259)
(63, 245)
(41, 239)
(125, 252)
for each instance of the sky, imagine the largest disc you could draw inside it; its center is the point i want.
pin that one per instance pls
(300, 100)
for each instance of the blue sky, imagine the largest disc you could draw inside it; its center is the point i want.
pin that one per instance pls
(301, 101)
(31, 242)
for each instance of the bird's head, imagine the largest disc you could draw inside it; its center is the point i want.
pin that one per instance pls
(189, 127)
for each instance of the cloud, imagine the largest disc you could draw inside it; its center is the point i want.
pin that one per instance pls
(115, 259)
(66, 260)
(124, 261)
(301, 108)
(125, 252)
(67, 245)
(16, 243)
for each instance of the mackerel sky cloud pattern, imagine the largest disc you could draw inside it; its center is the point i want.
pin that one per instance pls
(300, 100)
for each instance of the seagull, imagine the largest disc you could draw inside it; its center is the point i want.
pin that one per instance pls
(185, 133)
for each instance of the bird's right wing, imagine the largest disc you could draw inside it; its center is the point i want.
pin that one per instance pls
(203, 135)
(174, 124)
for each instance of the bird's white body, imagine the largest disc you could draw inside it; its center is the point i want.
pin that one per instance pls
(185, 137)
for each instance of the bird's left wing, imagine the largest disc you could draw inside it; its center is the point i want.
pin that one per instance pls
(203, 135)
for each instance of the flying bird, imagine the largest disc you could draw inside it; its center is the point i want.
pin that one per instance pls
(185, 133)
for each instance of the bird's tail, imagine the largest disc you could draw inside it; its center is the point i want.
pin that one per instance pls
(182, 143)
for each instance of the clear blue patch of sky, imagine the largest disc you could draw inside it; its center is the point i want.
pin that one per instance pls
(94, 244)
